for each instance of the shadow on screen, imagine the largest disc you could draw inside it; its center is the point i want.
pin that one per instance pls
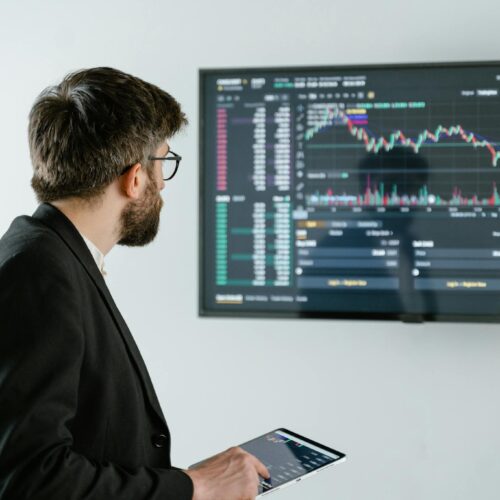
(400, 178)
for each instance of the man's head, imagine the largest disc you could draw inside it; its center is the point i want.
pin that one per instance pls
(84, 131)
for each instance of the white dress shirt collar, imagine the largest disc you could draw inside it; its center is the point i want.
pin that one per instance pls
(97, 254)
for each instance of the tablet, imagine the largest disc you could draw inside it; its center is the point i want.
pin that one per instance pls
(289, 458)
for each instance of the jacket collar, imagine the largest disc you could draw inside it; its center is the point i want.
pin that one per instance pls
(58, 222)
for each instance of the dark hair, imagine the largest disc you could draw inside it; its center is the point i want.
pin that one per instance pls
(97, 121)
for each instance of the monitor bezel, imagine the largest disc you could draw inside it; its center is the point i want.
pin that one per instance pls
(204, 311)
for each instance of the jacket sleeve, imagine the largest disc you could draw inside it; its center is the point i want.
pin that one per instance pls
(41, 351)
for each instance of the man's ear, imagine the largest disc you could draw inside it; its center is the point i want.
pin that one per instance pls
(131, 182)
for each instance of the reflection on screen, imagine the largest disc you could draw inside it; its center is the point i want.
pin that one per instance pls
(286, 458)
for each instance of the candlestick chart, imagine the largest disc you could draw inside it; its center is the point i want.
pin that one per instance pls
(398, 154)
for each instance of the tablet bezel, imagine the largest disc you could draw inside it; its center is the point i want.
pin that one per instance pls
(327, 449)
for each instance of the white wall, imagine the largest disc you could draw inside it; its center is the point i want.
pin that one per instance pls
(417, 408)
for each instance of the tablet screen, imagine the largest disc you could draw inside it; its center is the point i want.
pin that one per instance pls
(288, 457)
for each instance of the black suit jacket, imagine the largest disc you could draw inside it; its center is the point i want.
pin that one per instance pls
(79, 418)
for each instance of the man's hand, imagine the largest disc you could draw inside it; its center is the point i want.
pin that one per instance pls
(231, 475)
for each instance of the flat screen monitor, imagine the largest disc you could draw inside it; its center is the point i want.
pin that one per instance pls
(351, 192)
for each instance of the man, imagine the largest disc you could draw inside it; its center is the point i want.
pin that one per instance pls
(79, 418)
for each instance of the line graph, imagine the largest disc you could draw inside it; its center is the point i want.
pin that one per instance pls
(333, 115)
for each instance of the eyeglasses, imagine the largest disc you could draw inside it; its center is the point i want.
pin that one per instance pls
(168, 168)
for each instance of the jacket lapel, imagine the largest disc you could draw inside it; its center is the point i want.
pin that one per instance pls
(57, 221)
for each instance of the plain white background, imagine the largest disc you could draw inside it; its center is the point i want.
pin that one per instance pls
(416, 408)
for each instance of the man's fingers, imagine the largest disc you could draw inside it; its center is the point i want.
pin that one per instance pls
(261, 468)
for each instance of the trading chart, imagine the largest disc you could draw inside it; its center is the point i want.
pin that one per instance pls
(352, 191)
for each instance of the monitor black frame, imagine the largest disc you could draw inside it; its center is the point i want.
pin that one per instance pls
(405, 318)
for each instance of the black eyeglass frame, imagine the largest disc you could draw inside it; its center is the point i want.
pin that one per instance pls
(175, 157)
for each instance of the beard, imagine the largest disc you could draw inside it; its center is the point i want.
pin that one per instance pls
(140, 220)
